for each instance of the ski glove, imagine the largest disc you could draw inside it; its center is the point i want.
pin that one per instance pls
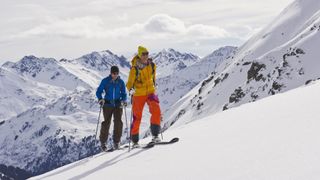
(102, 102)
(124, 103)
(131, 92)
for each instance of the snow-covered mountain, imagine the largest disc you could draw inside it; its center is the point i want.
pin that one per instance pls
(169, 61)
(49, 110)
(282, 56)
(96, 65)
(172, 87)
(49, 136)
(46, 70)
(274, 138)
(25, 84)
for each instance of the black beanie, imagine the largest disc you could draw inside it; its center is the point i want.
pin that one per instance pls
(114, 69)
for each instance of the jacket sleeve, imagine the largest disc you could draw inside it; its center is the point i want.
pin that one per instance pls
(132, 78)
(123, 92)
(100, 89)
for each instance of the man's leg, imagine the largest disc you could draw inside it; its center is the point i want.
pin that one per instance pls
(154, 108)
(105, 125)
(117, 129)
(137, 108)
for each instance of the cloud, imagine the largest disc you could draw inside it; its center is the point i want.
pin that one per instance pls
(168, 26)
(159, 26)
(204, 31)
(83, 27)
(163, 23)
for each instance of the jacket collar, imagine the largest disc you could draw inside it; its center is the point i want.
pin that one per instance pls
(110, 78)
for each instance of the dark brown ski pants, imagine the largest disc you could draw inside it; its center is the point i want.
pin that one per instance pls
(105, 125)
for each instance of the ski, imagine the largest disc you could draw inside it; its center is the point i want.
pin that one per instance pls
(152, 144)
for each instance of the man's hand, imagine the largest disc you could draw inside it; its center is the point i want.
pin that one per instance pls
(102, 102)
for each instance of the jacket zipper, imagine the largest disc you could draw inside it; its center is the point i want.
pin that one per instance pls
(114, 89)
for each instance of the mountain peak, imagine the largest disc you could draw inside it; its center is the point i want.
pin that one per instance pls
(103, 60)
(173, 51)
(97, 54)
(222, 51)
(170, 60)
(107, 52)
(31, 64)
(29, 57)
(171, 54)
(169, 50)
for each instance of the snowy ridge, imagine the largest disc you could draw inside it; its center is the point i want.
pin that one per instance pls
(18, 93)
(172, 87)
(281, 57)
(169, 61)
(47, 70)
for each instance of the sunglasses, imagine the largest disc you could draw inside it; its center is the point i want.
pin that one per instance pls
(145, 53)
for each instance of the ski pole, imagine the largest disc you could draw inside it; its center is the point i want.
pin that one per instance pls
(161, 128)
(95, 141)
(128, 136)
(131, 119)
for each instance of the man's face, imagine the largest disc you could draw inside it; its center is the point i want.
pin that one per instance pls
(144, 57)
(114, 75)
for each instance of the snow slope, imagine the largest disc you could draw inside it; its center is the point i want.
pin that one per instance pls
(283, 56)
(274, 138)
(174, 86)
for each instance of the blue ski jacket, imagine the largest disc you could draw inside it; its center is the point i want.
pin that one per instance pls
(115, 91)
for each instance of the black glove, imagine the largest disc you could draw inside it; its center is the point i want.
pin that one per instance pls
(124, 103)
(102, 102)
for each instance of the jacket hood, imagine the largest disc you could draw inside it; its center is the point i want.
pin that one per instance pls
(134, 60)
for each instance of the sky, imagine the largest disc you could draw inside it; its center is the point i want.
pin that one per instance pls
(70, 29)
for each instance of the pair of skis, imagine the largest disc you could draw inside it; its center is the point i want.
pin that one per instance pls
(149, 145)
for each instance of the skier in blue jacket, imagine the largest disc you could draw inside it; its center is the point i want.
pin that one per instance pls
(113, 101)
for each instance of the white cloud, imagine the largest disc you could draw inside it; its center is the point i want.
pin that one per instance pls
(156, 27)
(204, 31)
(163, 23)
(84, 27)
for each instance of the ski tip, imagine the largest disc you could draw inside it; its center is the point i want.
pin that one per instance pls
(174, 140)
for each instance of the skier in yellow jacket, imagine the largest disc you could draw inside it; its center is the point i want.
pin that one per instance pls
(141, 84)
